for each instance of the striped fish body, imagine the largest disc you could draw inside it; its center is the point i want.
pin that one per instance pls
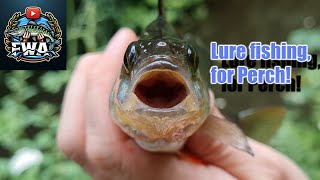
(34, 31)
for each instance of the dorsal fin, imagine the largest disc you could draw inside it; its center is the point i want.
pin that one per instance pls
(159, 29)
(44, 26)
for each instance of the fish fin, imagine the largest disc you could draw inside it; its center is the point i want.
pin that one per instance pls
(34, 38)
(227, 133)
(262, 123)
(44, 26)
(55, 42)
(51, 46)
(159, 28)
(47, 40)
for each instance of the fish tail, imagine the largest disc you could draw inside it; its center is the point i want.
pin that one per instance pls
(55, 42)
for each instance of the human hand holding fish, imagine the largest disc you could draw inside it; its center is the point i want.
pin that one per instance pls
(40, 37)
(88, 135)
(26, 36)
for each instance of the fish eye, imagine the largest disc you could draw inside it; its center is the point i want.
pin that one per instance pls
(192, 58)
(129, 57)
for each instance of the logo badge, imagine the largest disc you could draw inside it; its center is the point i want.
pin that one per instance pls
(33, 37)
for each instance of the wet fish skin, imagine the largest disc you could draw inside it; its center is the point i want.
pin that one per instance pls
(161, 53)
(160, 129)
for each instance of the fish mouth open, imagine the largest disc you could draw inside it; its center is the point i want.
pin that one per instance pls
(161, 88)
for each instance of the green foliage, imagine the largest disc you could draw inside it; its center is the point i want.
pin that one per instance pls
(33, 126)
(299, 135)
(301, 143)
(30, 101)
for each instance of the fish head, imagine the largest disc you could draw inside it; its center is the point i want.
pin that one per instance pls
(17, 31)
(159, 98)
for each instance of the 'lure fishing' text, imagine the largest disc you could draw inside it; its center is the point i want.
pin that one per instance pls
(239, 66)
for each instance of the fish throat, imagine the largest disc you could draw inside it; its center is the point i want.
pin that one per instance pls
(161, 88)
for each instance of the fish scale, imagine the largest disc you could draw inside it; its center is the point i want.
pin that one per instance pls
(34, 30)
(160, 98)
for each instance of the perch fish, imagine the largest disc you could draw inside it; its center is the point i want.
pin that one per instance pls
(160, 98)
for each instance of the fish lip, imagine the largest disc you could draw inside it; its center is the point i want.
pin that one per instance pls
(154, 62)
(12, 32)
(161, 62)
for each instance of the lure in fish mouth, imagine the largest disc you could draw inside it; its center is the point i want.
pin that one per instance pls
(160, 99)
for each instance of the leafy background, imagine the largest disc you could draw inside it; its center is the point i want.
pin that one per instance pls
(30, 100)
